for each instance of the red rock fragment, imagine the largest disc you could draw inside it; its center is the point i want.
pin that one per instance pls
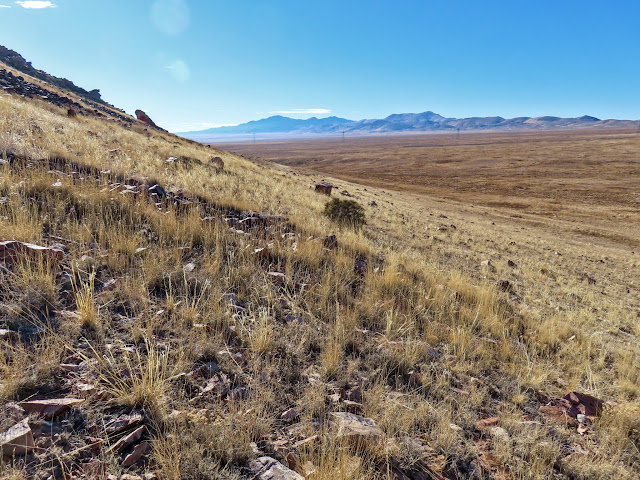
(487, 422)
(12, 252)
(50, 408)
(135, 456)
(128, 440)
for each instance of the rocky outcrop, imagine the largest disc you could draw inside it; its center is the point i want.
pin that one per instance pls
(144, 118)
(15, 60)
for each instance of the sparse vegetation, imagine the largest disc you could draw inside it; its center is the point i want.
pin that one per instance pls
(206, 324)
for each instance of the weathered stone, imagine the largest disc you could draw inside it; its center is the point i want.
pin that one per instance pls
(353, 407)
(356, 429)
(124, 422)
(289, 415)
(324, 187)
(18, 440)
(487, 422)
(158, 190)
(12, 252)
(135, 456)
(128, 440)
(144, 118)
(267, 468)
(567, 408)
(50, 408)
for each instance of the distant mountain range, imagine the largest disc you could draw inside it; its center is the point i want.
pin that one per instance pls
(402, 123)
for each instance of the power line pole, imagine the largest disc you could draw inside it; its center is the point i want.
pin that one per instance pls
(343, 136)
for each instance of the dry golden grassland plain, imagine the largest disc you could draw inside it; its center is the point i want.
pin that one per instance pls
(202, 336)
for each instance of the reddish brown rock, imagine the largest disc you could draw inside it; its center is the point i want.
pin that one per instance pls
(128, 440)
(324, 187)
(567, 408)
(135, 456)
(144, 118)
(289, 415)
(17, 441)
(487, 422)
(50, 408)
(12, 252)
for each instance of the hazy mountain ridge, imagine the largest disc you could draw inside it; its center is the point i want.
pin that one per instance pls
(408, 122)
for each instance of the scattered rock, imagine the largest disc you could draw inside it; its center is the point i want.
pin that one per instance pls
(373, 203)
(487, 422)
(13, 251)
(512, 264)
(158, 190)
(50, 408)
(18, 440)
(135, 456)
(128, 440)
(289, 415)
(324, 187)
(267, 468)
(356, 429)
(124, 422)
(572, 405)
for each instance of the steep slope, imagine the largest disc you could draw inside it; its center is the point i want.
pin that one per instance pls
(199, 322)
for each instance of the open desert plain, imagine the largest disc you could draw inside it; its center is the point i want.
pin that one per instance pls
(380, 296)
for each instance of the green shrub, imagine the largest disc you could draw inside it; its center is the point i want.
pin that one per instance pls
(346, 212)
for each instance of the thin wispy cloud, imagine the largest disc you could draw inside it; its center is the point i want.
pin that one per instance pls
(300, 111)
(5, 6)
(36, 4)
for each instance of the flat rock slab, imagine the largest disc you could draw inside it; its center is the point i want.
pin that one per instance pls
(50, 408)
(12, 251)
(267, 468)
(137, 453)
(128, 440)
(18, 440)
(356, 428)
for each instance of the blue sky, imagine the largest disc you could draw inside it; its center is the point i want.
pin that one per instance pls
(192, 64)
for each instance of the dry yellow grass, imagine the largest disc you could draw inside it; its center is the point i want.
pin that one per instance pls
(425, 334)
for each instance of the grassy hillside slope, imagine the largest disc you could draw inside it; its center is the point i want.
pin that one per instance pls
(221, 335)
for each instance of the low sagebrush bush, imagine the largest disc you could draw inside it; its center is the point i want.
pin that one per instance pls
(346, 212)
